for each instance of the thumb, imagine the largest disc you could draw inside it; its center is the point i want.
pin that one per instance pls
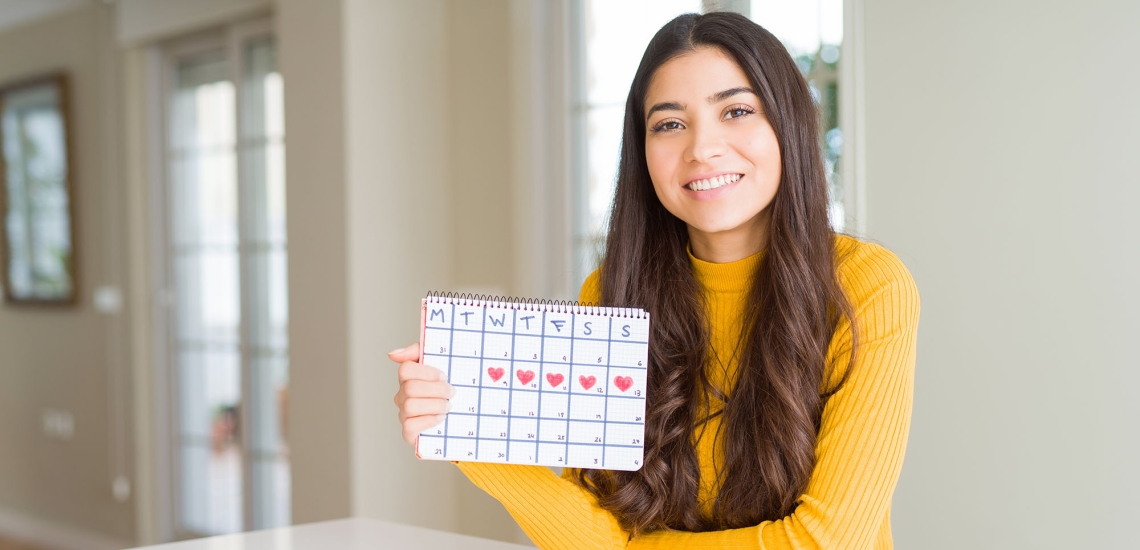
(409, 353)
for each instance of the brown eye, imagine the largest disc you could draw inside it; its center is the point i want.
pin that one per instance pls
(737, 112)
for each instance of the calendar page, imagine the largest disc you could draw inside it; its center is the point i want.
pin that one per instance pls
(537, 384)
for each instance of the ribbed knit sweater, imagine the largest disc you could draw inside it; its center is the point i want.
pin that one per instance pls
(859, 451)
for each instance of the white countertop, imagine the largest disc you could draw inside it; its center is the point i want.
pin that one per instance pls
(346, 534)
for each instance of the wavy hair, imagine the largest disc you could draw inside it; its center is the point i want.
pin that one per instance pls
(772, 418)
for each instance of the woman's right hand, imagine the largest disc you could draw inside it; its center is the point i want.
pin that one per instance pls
(424, 396)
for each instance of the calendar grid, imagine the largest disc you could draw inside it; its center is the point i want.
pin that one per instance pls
(554, 407)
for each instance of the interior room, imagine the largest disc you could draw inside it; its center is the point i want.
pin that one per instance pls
(243, 202)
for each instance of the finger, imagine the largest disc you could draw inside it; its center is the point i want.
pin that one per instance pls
(418, 406)
(413, 426)
(407, 353)
(424, 388)
(411, 370)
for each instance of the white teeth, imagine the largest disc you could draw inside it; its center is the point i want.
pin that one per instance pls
(713, 183)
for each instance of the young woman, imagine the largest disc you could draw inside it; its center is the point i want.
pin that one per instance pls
(781, 354)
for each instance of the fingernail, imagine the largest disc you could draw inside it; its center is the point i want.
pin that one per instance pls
(451, 391)
(449, 405)
(397, 350)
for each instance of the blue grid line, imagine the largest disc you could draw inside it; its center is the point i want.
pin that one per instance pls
(606, 405)
(505, 440)
(568, 392)
(482, 353)
(551, 335)
(550, 418)
(450, 342)
(570, 388)
(541, 356)
(510, 394)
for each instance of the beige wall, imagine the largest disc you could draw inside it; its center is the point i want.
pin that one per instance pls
(420, 203)
(71, 359)
(1001, 166)
(479, 64)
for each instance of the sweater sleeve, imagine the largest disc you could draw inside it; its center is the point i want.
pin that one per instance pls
(555, 512)
(864, 426)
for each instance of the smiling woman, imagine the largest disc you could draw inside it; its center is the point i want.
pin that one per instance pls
(781, 355)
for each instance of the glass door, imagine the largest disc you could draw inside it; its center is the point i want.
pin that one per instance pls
(226, 258)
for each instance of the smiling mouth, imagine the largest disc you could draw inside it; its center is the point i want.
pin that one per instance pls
(713, 183)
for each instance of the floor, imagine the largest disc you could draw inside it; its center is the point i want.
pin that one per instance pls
(9, 544)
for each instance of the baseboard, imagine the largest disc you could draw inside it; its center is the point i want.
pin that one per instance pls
(54, 535)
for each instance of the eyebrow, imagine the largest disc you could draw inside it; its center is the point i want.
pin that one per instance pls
(715, 98)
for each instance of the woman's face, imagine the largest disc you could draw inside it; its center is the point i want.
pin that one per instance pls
(712, 155)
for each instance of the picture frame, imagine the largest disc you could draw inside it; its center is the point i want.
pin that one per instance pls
(37, 194)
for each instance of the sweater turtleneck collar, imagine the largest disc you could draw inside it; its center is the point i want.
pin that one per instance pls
(727, 277)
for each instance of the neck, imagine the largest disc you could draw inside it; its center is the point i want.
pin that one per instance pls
(734, 244)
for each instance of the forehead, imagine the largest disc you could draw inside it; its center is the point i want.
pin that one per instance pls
(695, 75)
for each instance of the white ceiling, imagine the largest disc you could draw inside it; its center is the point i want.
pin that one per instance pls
(19, 12)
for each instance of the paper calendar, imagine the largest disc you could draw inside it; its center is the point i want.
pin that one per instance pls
(551, 384)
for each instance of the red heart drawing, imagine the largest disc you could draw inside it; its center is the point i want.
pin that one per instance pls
(587, 382)
(495, 373)
(554, 378)
(623, 382)
(525, 376)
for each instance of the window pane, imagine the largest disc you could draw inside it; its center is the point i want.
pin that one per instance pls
(269, 289)
(272, 493)
(207, 296)
(603, 133)
(204, 197)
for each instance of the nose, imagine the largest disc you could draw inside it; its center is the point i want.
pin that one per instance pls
(706, 142)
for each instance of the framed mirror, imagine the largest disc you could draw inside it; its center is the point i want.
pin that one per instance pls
(37, 200)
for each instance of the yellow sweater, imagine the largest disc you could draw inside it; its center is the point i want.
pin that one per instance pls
(859, 451)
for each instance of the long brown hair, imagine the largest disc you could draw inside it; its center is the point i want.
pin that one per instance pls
(772, 418)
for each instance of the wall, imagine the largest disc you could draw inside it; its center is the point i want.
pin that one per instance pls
(480, 193)
(398, 237)
(478, 96)
(425, 186)
(49, 485)
(1001, 146)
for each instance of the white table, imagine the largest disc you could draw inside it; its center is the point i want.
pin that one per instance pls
(346, 534)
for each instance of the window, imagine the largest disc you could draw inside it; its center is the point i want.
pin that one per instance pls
(608, 39)
(225, 260)
(812, 31)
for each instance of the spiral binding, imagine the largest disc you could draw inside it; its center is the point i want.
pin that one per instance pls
(534, 304)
